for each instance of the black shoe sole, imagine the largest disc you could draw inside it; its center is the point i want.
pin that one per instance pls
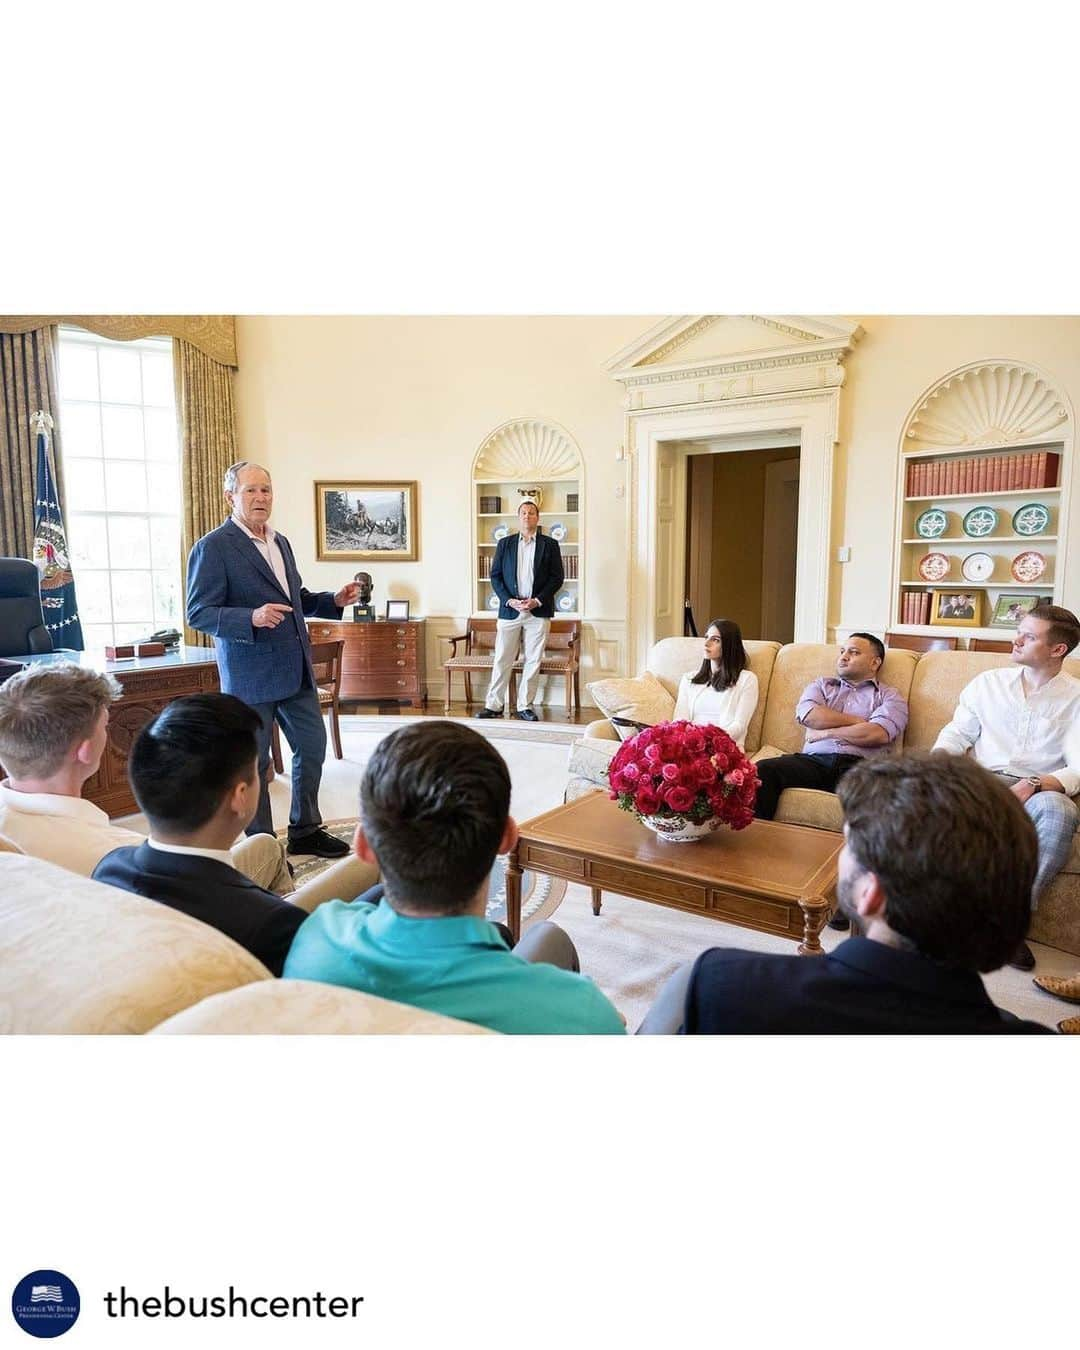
(306, 849)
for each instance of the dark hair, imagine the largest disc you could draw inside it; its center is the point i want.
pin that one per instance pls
(953, 849)
(194, 752)
(1064, 625)
(876, 643)
(733, 658)
(434, 802)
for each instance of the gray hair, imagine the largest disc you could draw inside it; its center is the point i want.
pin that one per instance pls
(232, 473)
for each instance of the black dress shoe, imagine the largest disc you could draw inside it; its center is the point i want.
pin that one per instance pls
(318, 842)
(488, 712)
(840, 922)
(1023, 958)
(527, 715)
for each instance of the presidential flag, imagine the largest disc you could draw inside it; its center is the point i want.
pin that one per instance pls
(51, 552)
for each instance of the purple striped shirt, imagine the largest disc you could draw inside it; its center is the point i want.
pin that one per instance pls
(873, 702)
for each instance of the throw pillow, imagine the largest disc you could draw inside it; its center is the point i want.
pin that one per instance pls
(640, 699)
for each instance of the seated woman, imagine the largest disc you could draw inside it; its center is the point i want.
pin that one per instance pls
(724, 692)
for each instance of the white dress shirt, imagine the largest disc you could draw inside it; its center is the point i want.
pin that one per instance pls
(1014, 729)
(68, 831)
(526, 557)
(271, 552)
(729, 709)
(221, 855)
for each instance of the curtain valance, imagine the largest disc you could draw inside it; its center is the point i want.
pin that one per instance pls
(212, 334)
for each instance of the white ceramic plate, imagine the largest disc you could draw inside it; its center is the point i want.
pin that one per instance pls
(558, 533)
(493, 601)
(500, 532)
(564, 601)
(977, 567)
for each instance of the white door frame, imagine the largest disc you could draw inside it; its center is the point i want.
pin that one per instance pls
(656, 504)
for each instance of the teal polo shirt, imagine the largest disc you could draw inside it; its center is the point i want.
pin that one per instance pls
(459, 966)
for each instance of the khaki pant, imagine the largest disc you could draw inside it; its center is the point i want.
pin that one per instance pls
(508, 635)
(261, 858)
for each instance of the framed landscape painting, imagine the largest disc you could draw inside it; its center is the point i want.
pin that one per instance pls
(366, 522)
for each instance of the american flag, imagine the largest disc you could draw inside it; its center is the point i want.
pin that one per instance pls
(46, 1293)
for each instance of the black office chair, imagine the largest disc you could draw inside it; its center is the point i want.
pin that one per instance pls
(22, 624)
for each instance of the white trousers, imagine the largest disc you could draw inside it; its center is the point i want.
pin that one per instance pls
(508, 635)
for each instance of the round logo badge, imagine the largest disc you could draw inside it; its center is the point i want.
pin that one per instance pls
(45, 1303)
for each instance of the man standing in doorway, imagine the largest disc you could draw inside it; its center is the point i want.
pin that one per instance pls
(245, 591)
(526, 573)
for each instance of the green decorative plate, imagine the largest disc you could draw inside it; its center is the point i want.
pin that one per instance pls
(980, 521)
(1031, 519)
(932, 524)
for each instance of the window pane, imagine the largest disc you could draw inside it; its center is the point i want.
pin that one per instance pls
(166, 600)
(125, 486)
(97, 635)
(157, 376)
(132, 602)
(122, 429)
(129, 541)
(80, 426)
(132, 632)
(92, 589)
(84, 484)
(163, 485)
(89, 544)
(165, 543)
(161, 434)
(78, 371)
(120, 381)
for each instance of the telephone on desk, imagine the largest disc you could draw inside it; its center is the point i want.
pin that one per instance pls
(168, 637)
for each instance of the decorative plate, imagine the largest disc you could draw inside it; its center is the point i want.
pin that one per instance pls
(934, 566)
(932, 523)
(500, 532)
(558, 533)
(1028, 566)
(977, 567)
(493, 601)
(980, 521)
(565, 601)
(1031, 519)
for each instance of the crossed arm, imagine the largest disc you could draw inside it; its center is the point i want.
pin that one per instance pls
(826, 724)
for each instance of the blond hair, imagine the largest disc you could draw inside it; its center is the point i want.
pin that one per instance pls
(45, 711)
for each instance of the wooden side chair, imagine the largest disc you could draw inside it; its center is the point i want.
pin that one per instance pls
(326, 661)
(920, 642)
(561, 657)
(989, 645)
(477, 655)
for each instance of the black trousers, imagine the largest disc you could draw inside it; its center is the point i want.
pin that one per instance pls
(806, 771)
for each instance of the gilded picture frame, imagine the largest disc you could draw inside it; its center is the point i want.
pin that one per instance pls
(361, 520)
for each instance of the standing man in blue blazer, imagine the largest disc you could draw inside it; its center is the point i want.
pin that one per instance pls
(244, 590)
(526, 573)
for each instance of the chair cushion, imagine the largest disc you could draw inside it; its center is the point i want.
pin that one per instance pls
(589, 759)
(639, 699)
(477, 661)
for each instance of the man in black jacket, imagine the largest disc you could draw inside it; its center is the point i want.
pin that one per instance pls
(194, 773)
(525, 574)
(937, 868)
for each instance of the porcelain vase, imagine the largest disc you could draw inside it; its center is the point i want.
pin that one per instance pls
(675, 831)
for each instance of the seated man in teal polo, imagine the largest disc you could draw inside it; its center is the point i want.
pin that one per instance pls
(434, 812)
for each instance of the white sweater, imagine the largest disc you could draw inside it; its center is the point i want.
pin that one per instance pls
(729, 709)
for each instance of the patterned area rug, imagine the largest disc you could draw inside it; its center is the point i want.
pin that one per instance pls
(541, 895)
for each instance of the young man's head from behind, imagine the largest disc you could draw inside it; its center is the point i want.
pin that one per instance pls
(52, 716)
(434, 810)
(942, 852)
(196, 759)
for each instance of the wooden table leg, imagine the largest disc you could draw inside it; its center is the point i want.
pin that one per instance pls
(815, 911)
(513, 894)
(596, 897)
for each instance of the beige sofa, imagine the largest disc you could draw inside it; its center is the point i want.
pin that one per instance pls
(80, 957)
(931, 682)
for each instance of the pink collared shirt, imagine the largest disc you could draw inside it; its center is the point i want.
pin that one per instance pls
(271, 551)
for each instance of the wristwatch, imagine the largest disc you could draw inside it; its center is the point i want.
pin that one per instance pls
(1035, 781)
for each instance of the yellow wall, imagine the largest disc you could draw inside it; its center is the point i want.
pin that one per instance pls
(389, 398)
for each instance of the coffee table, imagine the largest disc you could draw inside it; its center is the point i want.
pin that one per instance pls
(771, 877)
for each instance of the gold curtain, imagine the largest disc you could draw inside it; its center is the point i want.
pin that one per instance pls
(204, 398)
(27, 383)
(214, 334)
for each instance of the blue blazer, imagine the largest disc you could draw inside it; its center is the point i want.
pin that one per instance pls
(227, 579)
(547, 575)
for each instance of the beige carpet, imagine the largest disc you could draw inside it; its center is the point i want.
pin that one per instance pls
(631, 947)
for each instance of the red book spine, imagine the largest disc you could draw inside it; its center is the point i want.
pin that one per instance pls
(1027, 476)
(1050, 472)
(969, 476)
(1039, 476)
(980, 475)
(1014, 464)
(953, 479)
(995, 474)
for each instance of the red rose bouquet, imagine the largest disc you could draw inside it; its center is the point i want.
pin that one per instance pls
(684, 780)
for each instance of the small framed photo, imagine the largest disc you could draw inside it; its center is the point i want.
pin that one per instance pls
(397, 609)
(1010, 609)
(959, 609)
(366, 522)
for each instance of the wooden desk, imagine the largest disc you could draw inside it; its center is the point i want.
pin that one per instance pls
(149, 684)
(771, 877)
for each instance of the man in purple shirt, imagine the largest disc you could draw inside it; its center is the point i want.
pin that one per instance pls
(847, 717)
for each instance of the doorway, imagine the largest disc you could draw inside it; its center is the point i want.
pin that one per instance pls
(742, 525)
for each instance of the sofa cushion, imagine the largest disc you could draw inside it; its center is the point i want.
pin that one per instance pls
(639, 699)
(799, 664)
(77, 956)
(305, 1007)
(808, 806)
(589, 758)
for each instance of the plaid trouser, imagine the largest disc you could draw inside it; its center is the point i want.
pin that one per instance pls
(1055, 817)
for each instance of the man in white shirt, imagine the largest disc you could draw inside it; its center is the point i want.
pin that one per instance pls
(53, 731)
(1023, 722)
